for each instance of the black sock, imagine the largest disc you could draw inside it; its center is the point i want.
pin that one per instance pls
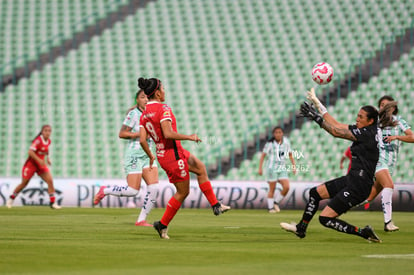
(310, 209)
(339, 225)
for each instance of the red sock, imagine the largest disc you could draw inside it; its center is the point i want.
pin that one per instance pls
(52, 198)
(208, 192)
(13, 196)
(172, 208)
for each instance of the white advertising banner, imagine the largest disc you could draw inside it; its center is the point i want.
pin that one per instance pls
(237, 194)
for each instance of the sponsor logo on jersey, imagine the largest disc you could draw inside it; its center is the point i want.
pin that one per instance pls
(149, 115)
(166, 113)
(356, 131)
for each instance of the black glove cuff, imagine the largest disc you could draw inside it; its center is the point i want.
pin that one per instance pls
(318, 119)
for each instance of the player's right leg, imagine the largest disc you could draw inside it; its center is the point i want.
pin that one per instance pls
(384, 179)
(316, 194)
(133, 169)
(174, 204)
(151, 178)
(47, 177)
(28, 171)
(197, 167)
(270, 196)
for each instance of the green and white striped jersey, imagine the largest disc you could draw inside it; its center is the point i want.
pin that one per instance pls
(133, 146)
(277, 153)
(389, 150)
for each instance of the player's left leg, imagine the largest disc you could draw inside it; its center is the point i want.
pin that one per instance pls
(151, 178)
(384, 179)
(197, 167)
(341, 203)
(47, 177)
(280, 194)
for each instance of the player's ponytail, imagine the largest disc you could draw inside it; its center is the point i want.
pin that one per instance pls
(386, 115)
(149, 85)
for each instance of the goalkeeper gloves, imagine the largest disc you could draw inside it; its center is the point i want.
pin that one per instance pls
(307, 110)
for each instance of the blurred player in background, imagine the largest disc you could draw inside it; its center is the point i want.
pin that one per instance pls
(347, 155)
(392, 137)
(277, 149)
(136, 164)
(158, 121)
(347, 191)
(37, 163)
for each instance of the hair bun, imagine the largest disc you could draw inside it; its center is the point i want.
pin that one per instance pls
(143, 83)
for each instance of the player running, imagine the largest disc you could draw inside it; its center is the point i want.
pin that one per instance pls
(352, 189)
(136, 164)
(158, 121)
(37, 163)
(392, 137)
(277, 149)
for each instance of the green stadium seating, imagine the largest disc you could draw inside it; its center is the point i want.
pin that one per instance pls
(229, 68)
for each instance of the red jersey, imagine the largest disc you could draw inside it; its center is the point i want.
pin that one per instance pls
(348, 154)
(40, 147)
(155, 113)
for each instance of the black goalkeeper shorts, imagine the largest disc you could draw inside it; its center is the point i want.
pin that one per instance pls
(348, 191)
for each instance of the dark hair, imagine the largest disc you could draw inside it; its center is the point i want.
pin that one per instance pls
(389, 98)
(386, 115)
(273, 131)
(149, 85)
(43, 127)
(372, 112)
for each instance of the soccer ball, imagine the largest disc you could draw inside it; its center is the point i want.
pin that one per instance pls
(322, 73)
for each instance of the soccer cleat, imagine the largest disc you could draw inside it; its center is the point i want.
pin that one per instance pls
(161, 229)
(277, 208)
(390, 227)
(55, 206)
(99, 196)
(143, 223)
(272, 210)
(219, 208)
(292, 227)
(368, 233)
(9, 203)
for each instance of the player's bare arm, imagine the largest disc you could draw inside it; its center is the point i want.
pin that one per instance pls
(409, 137)
(168, 133)
(126, 133)
(338, 130)
(144, 144)
(38, 160)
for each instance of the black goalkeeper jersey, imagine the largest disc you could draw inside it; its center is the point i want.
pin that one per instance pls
(365, 150)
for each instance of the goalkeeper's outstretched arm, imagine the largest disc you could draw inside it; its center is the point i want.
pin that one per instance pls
(336, 129)
(340, 130)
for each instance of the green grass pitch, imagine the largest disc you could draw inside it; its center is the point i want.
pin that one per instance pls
(38, 240)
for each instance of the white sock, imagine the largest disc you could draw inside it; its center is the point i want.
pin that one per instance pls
(278, 197)
(270, 203)
(149, 201)
(386, 199)
(121, 191)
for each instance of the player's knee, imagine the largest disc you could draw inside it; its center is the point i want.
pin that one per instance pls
(313, 193)
(325, 220)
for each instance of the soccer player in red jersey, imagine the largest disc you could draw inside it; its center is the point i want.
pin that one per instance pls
(36, 163)
(158, 121)
(347, 155)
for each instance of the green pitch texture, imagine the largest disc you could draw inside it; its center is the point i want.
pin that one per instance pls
(38, 240)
